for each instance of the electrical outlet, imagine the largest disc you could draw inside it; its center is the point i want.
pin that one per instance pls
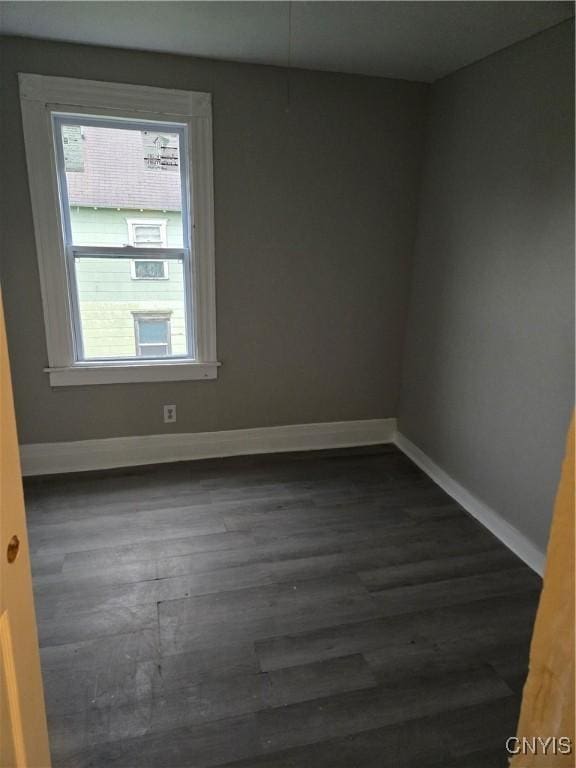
(169, 414)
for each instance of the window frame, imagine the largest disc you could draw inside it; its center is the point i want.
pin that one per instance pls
(165, 317)
(160, 223)
(43, 96)
(72, 252)
(134, 276)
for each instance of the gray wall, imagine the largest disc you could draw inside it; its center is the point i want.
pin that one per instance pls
(315, 215)
(315, 221)
(488, 373)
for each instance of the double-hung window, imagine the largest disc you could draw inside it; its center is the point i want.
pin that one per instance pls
(121, 185)
(152, 332)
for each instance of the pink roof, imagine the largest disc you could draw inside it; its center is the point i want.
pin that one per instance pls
(116, 175)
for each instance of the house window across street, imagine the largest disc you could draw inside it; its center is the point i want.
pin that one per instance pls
(149, 269)
(152, 333)
(147, 233)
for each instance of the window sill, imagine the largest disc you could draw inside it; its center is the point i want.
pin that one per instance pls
(83, 374)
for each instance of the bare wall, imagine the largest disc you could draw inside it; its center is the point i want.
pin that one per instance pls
(315, 211)
(488, 374)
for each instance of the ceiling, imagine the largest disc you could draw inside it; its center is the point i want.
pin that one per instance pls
(407, 40)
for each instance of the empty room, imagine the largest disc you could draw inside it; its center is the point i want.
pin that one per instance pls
(287, 384)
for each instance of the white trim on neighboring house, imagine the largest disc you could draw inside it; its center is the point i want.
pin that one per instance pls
(490, 518)
(160, 223)
(41, 96)
(139, 317)
(51, 458)
(134, 276)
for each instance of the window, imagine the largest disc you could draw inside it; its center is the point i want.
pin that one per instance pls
(147, 233)
(114, 178)
(149, 269)
(152, 334)
(127, 267)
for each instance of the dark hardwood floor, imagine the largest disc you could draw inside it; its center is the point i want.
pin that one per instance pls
(320, 610)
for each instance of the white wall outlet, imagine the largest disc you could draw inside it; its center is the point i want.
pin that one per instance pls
(169, 414)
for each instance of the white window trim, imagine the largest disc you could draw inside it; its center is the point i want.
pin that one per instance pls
(162, 224)
(40, 95)
(164, 316)
(134, 276)
(147, 223)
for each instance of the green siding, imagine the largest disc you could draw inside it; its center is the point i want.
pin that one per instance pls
(108, 226)
(109, 295)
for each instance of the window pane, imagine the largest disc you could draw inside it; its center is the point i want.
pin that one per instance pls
(143, 235)
(117, 174)
(153, 350)
(111, 304)
(153, 331)
(149, 270)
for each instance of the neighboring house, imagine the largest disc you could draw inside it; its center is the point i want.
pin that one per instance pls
(124, 189)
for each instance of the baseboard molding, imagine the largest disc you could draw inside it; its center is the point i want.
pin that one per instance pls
(508, 535)
(85, 455)
(111, 453)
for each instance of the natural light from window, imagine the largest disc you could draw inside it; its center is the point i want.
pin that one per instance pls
(125, 213)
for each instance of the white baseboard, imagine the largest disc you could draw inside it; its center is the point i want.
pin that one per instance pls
(83, 455)
(110, 453)
(496, 524)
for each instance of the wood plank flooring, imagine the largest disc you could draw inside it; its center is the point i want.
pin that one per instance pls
(320, 610)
